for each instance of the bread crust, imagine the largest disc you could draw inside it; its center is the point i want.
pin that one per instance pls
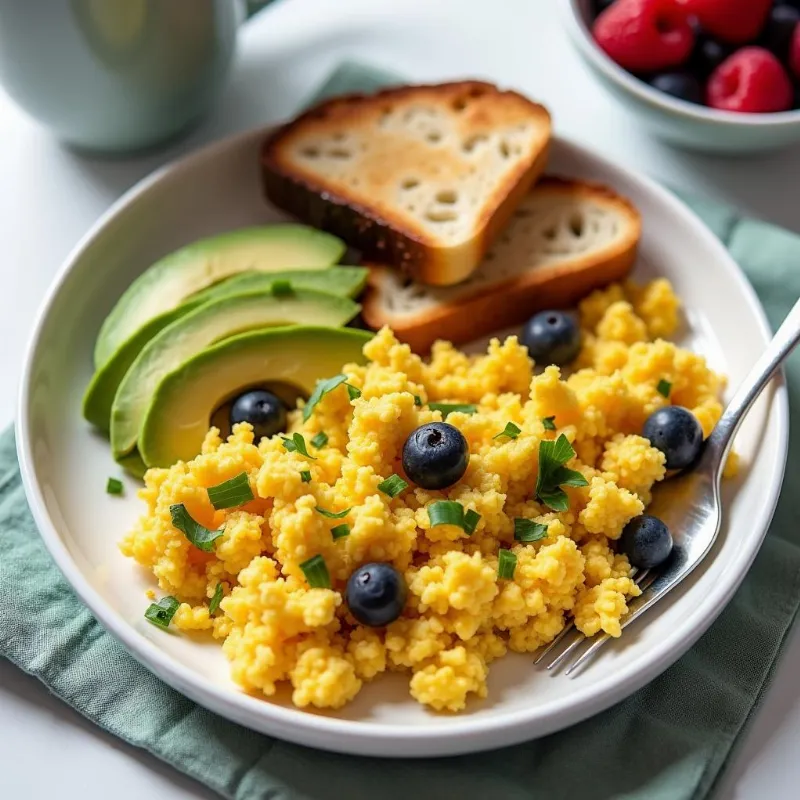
(388, 235)
(513, 300)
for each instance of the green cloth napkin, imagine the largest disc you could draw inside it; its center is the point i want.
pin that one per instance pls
(670, 740)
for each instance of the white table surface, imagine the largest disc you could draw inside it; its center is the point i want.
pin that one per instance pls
(50, 195)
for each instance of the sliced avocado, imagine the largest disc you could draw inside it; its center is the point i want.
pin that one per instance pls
(171, 280)
(203, 327)
(99, 396)
(178, 416)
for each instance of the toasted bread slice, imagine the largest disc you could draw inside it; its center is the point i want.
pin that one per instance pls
(419, 177)
(565, 239)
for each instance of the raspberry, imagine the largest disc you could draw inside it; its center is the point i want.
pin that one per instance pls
(734, 21)
(751, 80)
(794, 53)
(645, 35)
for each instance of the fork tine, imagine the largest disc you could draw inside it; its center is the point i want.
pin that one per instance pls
(547, 648)
(576, 642)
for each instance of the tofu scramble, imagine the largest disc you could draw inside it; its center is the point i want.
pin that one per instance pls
(459, 615)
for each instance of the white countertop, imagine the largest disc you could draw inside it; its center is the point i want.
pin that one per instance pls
(49, 196)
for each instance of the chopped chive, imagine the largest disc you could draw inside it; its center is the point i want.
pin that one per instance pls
(114, 486)
(510, 430)
(332, 514)
(297, 444)
(216, 599)
(392, 486)
(664, 388)
(471, 520)
(417, 400)
(340, 531)
(200, 536)
(553, 474)
(316, 571)
(320, 440)
(446, 512)
(162, 612)
(282, 288)
(549, 423)
(353, 392)
(322, 388)
(305, 476)
(449, 408)
(526, 530)
(506, 564)
(231, 493)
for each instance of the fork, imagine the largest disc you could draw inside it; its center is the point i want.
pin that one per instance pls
(689, 504)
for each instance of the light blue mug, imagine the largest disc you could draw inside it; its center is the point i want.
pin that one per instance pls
(117, 75)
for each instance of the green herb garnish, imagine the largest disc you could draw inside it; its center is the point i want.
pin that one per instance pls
(282, 288)
(664, 388)
(199, 536)
(316, 572)
(320, 440)
(549, 423)
(511, 430)
(340, 531)
(162, 612)
(506, 564)
(297, 444)
(305, 476)
(449, 408)
(216, 599)
(332, 514)
(450, 512)
(231, 493)
(114, 486)
(526, 530)
(353, 392)
(322, 388)
(392, 486)
(417, 400)
(553, 474)
(471, 520)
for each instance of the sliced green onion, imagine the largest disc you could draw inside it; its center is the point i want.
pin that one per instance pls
(549, 423)
(471, 520)
(446, 512)
(322, 388)
(449, 408)
(282, 288)
(297, 444)
(320, 440)
(510, 430)
(316, 572)
(392, 486)
(216, 599)
(199, 536)
(231, 493)
(417, 400)
(162, 612)
(340, 531)
(526, 530)
(506, 564)
(332, 514)
(305, 476)
(114, 486)
(353, 392)
(664, 388)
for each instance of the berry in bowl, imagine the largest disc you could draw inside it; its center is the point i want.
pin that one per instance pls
(713, 75)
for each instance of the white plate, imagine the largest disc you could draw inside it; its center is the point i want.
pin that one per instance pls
(65, 466)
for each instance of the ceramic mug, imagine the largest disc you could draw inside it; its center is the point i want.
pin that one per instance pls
(117, 75)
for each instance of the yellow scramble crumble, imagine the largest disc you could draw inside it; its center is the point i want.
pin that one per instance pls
(459, 614)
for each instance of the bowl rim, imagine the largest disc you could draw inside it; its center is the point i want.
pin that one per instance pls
(580, 34)
(380, 738)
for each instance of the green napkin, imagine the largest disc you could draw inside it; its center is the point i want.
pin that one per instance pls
(670, 740)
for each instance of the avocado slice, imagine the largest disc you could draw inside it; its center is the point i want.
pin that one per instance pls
(99, 396)
(179, 413)
(203, 327)
(174, 278)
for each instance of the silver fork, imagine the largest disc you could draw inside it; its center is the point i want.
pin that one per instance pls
(689, 504)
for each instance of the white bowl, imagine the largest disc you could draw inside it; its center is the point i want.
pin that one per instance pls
(681, 123)
(65, 466)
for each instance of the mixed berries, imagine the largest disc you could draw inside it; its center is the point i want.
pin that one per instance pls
(732, 55)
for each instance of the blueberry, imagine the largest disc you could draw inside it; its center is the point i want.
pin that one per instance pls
(707, 55)
(262, 409)
(682, 85)
(778, 32)
(676, 432)
(646, 541)
(376, 594)
(552, 337)
(435, 456)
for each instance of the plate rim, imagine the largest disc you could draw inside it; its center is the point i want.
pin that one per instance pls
(381, 738)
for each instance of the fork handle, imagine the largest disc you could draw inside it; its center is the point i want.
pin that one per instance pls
(784, 341)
